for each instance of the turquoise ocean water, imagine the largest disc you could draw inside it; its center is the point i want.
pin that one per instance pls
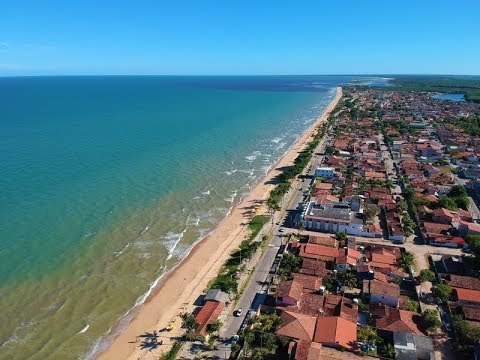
(107, 182)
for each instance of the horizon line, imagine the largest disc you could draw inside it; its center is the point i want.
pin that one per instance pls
(230, 75)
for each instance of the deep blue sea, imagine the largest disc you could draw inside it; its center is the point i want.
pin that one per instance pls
(107, 182)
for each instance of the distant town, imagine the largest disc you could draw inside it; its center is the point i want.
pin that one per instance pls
(371, 248)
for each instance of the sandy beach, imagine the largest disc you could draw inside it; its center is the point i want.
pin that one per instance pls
(179, 290)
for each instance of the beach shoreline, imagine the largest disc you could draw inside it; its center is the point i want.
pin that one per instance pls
(178, 289)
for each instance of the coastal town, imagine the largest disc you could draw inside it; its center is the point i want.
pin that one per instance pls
(369, 247)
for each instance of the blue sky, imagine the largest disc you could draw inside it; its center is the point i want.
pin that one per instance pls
(239, 37)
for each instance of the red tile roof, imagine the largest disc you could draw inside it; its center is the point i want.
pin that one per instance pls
(308, 282)
(471, 313)
(292, 289)
(398, 320)
(382, 288)
(323, 240)
(467, 294)
(335, 330)
(318, 251)
(384, 257)
(208, 314)
(297, 326)
(466, 282)
(316, 267)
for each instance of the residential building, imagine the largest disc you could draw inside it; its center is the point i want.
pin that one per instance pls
(412, 346)
(207, 315)
(325, 172)
(381, 292)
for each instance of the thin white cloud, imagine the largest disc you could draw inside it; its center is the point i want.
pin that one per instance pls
(4, 46)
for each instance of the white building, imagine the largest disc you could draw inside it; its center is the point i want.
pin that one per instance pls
(335, 216)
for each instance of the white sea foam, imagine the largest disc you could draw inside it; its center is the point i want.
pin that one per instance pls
(192, 220)
(85, 328)
(276, 140)
(231, 198)
(118, 253)
(206, 192)
(172, 240)
(253, 156)
(231, 172)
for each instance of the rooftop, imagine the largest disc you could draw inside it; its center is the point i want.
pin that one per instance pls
(465, 282)
(335, 330)
(399, 320)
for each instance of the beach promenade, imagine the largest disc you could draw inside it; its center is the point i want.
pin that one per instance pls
(182, 286)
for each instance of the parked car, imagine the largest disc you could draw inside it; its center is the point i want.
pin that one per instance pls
(238, 312)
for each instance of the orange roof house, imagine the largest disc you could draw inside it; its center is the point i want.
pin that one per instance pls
(315, 251)
(467, 295)
(208, 314)
(323, 240)
(335, 331)
(399, 321)
(297, 326)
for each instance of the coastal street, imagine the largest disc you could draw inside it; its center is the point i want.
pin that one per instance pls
(257, 288)
(251, 297)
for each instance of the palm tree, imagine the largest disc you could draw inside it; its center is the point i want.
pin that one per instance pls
(214, 327)
(349, 280)
(407, 260)
(189, 324)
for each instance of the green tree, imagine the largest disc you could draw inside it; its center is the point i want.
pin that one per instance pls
(412, 305)
(214, 327)
(458, 191)
(369, 213)
(272, 205)
(467, 334)
(442, 291)
(330, 283)
(189, 324)
(431, 319)
(387, 350)
(389, 184)
(366, 333)
(401, 206)
(426, 275)
(406, 261)
(473, 242)
(348, 280)
(447, 203)
(341, 236)
(462, 202)
(290, 263)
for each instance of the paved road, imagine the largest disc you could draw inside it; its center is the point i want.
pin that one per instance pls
(257, 286)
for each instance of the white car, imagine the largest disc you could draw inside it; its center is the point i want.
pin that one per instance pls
(238, 312)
